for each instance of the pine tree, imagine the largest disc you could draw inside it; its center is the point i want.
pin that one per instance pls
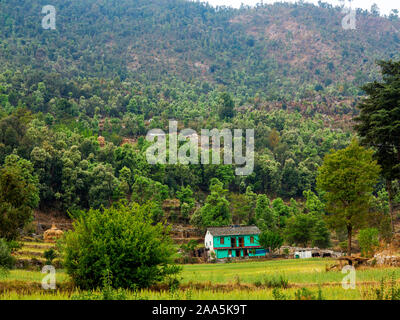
(379, 123)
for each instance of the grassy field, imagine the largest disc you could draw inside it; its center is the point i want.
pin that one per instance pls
(237, 281)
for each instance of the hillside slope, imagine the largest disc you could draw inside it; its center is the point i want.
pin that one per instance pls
(280, 51)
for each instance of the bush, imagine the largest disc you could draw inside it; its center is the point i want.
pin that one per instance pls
(122, 240)
(7, 261)
(270, 240)
(50, 255)
(14, 245)
(278, 294)
(307, 294)
(368, 241)
(107, 292)
(276, 282)
(387, 290)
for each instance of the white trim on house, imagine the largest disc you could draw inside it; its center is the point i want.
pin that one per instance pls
(209, 242)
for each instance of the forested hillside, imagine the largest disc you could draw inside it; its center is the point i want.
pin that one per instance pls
(76, 103)
(280, 52)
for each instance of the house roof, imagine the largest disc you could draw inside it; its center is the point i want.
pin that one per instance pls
(233, 230)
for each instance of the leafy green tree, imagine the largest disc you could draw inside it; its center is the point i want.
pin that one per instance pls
(122, 240)
(368, 241)
(188, 249)
(216, 211)
(125, 177)
(270, 240)
(19, 195)
(185, 196)
(226, 106)
(264, 214)
(104, 186)
(320, 235)
(348, 177)
(313, 203)
(250, 205)
(145, 189)
(7, 261)
(379, 216)
(299, 229)
(281, 211)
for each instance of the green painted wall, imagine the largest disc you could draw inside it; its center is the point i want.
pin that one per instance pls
(227, 241)
(221, 254)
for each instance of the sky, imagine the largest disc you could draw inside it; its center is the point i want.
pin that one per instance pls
(385, 6)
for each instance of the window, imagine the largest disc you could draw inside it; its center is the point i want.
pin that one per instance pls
(251, 239)
(222, 240)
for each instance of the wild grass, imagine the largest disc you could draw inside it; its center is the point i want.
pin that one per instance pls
(255, 280)
(307, 271)
(32, 276)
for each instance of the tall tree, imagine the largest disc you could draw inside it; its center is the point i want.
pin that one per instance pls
(379, 123)
(216, 211)
(348, 177)
(226, 106)
(19, 195)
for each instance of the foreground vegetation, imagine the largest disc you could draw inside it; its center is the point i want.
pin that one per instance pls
(259, 280)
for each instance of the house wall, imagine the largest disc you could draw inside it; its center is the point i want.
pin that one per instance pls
(224, 253)
(227, 241)
(209, 240)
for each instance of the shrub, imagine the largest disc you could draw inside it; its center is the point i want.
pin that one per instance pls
(50, 255)
(276, 282)
(387, 290)
(278, 294)
(368, 241)
(14, 245)
(271, 240)
(307, 294)
(7, 261)
(107, 292)
(122, 240)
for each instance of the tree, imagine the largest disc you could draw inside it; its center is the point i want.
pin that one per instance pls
(348, 177)
(379, 123)
(270, 239)
(105, 186)
(19, 195)
(320, 235)
(281, 211)
(188, 249)
(226, 106)
(216, 211)
(187, 201)
(145, 189)
(250, 204)
(368, 240)
(375, 10)
(121, 240)
(313, 203)
(299, 228)
(265, 217)
(7, 260)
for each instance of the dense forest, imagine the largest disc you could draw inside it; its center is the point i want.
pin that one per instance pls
(76, 103)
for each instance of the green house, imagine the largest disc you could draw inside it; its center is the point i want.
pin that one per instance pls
(234, 242)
